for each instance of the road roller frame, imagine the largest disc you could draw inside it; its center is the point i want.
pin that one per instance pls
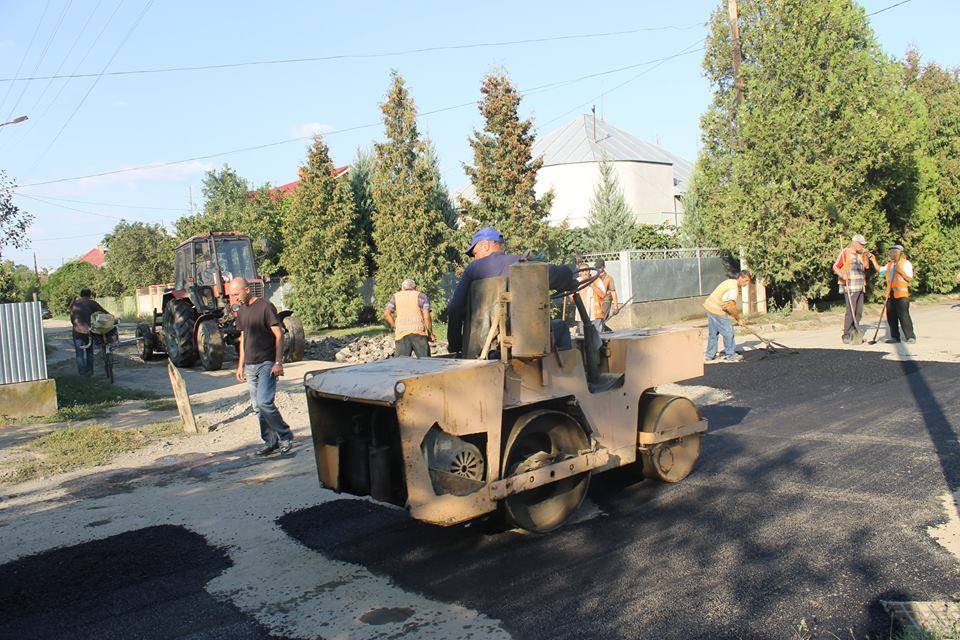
(519, 425)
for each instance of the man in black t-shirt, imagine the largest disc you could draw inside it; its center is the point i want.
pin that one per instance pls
(261, 363)
(81, 310)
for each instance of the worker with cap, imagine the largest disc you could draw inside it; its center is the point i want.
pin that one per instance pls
(604, 298)
(412, 326)
(489, 261)
(850, 267)
(897, 273)
(721, 304)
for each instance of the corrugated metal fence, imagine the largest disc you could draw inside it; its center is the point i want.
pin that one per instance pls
(664, 274)
(22, 355)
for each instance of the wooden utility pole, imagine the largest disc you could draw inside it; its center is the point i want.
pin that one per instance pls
(734, 16)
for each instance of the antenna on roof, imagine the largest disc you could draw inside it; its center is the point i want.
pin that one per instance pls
(593, 110)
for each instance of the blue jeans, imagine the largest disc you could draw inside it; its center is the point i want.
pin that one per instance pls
(263, 388)
(718, 325)
(85, 355)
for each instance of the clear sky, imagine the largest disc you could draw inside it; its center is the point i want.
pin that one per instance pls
(131, 120)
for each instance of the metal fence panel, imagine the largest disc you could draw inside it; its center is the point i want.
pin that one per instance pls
(22, 355)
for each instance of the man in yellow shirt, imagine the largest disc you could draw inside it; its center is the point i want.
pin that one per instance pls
(720, 305)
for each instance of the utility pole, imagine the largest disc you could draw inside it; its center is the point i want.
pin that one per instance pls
(593, 110)
(734, 17)
(36, 270)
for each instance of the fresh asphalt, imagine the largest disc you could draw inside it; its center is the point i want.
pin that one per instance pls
(809, 505)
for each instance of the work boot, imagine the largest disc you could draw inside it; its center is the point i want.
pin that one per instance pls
(266, 450)
(891, 341)
(286, 446)
(734, 358)
(707, 358)
(911, 340)
(846, 338)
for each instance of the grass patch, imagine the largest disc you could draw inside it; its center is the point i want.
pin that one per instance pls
(80, 447)
(163, 404)
(353, 332)
(80, 398)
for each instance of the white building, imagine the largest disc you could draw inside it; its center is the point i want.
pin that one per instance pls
(653, 179)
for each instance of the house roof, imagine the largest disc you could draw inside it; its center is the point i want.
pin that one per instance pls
(575, 142)
(94, 256)
(288, 188)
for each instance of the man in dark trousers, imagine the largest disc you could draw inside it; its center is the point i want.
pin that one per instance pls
(261, 363)
(489, 261)
(81, 310)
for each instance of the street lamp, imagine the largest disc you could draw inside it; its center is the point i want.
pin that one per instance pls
(16, 120)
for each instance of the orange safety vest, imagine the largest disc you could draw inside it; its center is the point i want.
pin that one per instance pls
(601, 293)
(899, 288)
(409, 318)
(714, 303)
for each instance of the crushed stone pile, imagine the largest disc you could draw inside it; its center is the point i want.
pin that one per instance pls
(354, 350)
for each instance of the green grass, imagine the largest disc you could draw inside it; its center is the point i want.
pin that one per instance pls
(353, 332)
(80, 398)
(163, 404)
(80, 447)
(914, 634)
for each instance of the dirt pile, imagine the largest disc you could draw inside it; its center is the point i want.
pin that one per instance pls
(353, 350)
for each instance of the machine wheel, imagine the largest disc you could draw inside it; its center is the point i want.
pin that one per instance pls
(179, 317)
(294, 340)
(674, 460)
(145, 341)
(210, 345)
(537, 439)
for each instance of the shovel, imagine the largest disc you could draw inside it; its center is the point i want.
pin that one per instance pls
(772, 345)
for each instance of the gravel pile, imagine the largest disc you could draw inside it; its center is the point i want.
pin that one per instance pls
(353, 350)
(324, 349)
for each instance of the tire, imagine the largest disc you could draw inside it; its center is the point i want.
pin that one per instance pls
(210, 345)
(294, 339)
(108, 363)
(145, 341)
(179, 318)
(674, 460)
(547, 507)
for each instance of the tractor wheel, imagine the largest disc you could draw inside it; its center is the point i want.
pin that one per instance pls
(179, 317)
(674, 460)
(210, 345)
(537, 439)
(145, 341)
(294, 340)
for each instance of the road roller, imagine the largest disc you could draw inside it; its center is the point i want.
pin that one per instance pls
(519, 423)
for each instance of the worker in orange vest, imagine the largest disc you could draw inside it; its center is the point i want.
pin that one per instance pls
(850, 267)
(412, 326)
(604, 296)
(720, 305)
(897, 273)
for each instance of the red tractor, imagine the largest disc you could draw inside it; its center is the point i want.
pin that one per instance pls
(197, 321)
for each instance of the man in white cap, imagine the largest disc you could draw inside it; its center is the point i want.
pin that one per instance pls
(412, 326)
(897, 273)
(850, 267)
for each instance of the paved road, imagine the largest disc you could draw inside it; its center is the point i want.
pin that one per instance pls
(809, 506)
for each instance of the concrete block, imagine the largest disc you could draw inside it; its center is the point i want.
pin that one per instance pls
(28, 399)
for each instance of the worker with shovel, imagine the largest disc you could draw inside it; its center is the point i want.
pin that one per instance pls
(850, 267)
(721, 304)
(898, 272)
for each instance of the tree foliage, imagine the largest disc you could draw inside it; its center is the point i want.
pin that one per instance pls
(324, 250)
(64, 284)
(18, 282)
(361, 184)
(610, 222)
(14, 221)
(409, 226)
(136, 254)
(818, 148)
(230, 204)
(504, 171)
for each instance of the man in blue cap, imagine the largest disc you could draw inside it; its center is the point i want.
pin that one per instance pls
(489, 261)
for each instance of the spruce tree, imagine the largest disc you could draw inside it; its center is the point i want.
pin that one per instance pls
(504, 171)
(610, 223)
(361, 183)
(323, 250)
(409, 229)
(816, 146)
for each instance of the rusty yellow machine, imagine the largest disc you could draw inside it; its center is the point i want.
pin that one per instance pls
(519, 423)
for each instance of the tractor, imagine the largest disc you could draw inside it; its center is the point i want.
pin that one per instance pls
(519, 424)
(196, 321)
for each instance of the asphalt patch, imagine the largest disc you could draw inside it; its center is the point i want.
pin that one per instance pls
(145, 584)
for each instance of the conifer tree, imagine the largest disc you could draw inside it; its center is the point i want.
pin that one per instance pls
(610, 224)
(815, 148)
(361, 183)
(409, 229)
(323, 250)
(504, 171)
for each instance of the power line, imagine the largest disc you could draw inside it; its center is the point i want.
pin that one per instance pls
(89, 213)
(100, 204)
(267, 145)
(26, 53)
(873, 13)
(361, 56)
(85, 235)
(92, 86)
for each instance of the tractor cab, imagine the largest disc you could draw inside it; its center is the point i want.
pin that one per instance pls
(204, 264)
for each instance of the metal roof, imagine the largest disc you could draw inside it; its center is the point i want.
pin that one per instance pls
(576, 142)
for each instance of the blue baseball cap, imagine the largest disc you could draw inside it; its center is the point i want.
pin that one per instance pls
(487, 233)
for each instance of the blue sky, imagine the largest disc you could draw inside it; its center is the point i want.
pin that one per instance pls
(134, 120)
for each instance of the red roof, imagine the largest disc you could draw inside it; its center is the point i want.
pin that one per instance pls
(288, 188)
(94, 256)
